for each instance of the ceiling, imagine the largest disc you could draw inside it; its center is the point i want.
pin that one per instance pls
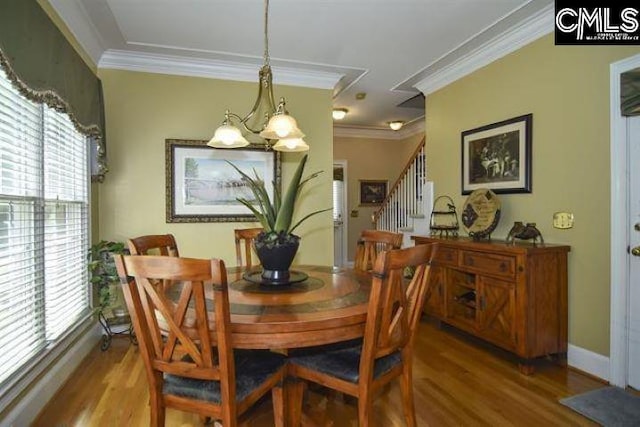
(384, 49)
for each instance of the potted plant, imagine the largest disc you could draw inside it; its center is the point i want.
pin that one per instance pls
(104, 276)
(276, 246)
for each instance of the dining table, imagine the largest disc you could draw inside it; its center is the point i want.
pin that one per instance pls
(328, 305)
(325, 305)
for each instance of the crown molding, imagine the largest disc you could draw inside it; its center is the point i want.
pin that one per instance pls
(76, 18)
(527, 31)
(413, 128)
(225, 70)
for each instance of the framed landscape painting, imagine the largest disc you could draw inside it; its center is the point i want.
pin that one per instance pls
(201, 186)
(498, 156)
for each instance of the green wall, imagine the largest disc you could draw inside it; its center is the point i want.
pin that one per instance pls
(567, 90)
(144, 109)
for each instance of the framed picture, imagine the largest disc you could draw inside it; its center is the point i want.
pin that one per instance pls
(201, 186)
(498, 156)
(372, 192)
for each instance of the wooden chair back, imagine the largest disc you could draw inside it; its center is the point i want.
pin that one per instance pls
(372, 242)
(244, 238)
(175, 334)
(155, 244)
(395, 303)
(393, 315)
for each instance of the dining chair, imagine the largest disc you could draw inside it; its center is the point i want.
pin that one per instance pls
(385, 353)
(370, 243)
(154, 244)
(211, 378)
(244, 238)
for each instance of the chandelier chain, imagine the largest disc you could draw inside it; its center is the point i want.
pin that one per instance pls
(266, 32)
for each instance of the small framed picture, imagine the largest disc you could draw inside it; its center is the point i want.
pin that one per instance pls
(372, 192)
(498, 156)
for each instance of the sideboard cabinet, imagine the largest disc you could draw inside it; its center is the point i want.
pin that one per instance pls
(512, 295)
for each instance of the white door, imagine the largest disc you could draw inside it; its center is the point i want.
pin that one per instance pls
(339, 213)
(633, 135)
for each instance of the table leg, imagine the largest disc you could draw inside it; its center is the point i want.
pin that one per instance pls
(293, 394)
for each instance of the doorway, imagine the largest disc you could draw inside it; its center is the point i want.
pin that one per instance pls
(340, 219)
(625, 213)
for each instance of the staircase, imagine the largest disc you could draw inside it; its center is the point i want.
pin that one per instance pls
(407, 207)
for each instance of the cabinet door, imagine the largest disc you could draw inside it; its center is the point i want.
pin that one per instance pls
(434, 304)
(497, 314)
(461, 299)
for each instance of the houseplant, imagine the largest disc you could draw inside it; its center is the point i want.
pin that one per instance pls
(276, 246)
(104, 276)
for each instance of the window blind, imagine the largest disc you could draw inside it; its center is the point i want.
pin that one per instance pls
(44, 196)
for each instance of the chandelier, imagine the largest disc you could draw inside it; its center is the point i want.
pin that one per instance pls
(265, 123)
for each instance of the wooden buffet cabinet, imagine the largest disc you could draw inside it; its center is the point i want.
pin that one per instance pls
(512, 295)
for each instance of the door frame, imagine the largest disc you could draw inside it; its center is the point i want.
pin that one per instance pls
(620, 279)
(345, 219)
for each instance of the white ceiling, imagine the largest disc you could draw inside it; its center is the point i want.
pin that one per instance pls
(383, 48)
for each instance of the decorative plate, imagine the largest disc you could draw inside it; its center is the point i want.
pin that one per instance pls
(481, 213)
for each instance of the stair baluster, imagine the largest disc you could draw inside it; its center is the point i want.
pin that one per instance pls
(407, 199)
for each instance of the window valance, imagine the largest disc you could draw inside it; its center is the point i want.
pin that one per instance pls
(44, 67)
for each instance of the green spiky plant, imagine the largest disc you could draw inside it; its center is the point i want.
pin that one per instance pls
(276, 216)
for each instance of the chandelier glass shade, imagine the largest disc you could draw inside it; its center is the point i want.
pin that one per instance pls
(227, 135)
(291, 145)
(265, 123)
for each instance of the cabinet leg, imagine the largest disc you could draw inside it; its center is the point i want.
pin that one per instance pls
(559, 359)
(526, 367)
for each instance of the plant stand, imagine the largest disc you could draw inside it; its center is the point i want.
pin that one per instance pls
(115, 326)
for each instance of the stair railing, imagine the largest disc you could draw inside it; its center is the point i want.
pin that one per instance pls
(404, 200)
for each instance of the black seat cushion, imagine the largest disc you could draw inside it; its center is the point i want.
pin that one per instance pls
(253, 367)
(343, 362)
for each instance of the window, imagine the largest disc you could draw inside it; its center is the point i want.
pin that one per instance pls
(338, 196)
(44, 205)
(338, 193)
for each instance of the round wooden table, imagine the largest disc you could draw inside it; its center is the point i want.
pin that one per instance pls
(330, 306)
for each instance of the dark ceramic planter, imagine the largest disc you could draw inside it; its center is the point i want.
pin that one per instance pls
(276, 261)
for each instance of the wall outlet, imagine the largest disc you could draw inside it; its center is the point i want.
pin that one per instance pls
(563, 220)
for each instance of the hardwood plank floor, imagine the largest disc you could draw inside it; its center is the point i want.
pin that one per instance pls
(458, 381)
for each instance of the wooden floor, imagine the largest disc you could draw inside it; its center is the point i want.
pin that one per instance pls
(458, 381)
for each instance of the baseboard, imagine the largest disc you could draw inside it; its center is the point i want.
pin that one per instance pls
(587, 361)
(27, 409)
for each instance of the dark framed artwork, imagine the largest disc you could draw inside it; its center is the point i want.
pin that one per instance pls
(202, 187)
(372, 192)
(498, 156)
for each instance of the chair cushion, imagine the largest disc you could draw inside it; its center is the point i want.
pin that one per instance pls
(344, 363)
(253, 367)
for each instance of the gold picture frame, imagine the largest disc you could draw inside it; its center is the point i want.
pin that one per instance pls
(201, 186)
(372, 192)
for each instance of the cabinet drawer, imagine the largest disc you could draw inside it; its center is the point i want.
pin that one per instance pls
(499, 265)
(447, 256)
